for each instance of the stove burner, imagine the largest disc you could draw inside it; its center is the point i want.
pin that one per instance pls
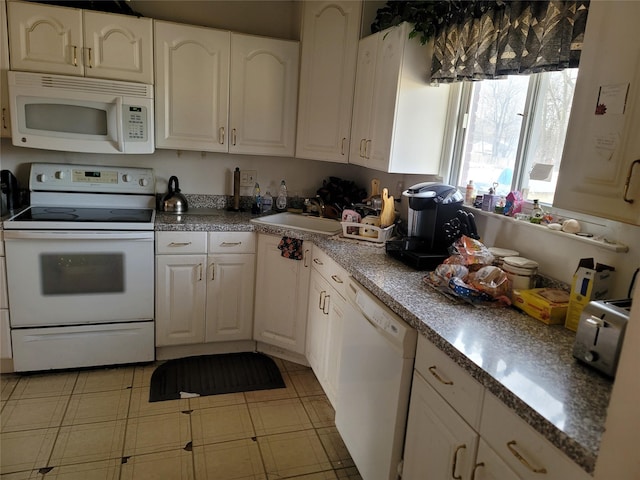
(59, 209)
(87, 215)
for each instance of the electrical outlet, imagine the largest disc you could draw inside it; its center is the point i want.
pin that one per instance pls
(248, 178)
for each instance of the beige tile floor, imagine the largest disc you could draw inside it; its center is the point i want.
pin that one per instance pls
(99, 425)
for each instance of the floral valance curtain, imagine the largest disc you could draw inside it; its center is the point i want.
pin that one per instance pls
(513, 37)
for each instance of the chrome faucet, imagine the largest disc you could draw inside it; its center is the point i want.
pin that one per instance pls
(314, 205)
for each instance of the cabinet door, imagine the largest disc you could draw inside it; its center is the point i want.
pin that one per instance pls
(386, 83)
(230, 287)
(45, 38)
(317, 323)
(439, 444)
(330, 32)
(363, 100)
(489, 466)
(333, 351)
(282, 290)
(264, 94)
(180, 299)
(118, 47)
(601, 146)
(192, 87)
(5, 119)
(5, 335)
(4, 299)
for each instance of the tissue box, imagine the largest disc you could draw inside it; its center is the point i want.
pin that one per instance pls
(590, 282)
(549, 305)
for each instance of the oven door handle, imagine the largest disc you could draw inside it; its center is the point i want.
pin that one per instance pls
(75, 235)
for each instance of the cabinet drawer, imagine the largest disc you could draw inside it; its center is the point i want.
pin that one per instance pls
(455, 385)
(522, 448)
(181, 242)
(232, 242)
(330, 270)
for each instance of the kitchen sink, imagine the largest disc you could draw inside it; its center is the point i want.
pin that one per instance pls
(296, 221)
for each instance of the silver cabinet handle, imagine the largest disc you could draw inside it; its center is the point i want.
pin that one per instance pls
(212, 267)
(511, 446)
(4, 118)
(233, 136)
(321, 300)
(342, 145)
(317, 262)
(454, 462)
(89, 60)
(628, 182)
(179, 244)
(366, 149)
(432, 369)
(199, 272)
(336, 279)
(230, 244)
(325, 305)
(362, 140)
(305, 255)
(221, 135)
(75, 55)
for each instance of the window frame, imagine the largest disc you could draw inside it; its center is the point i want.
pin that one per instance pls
(462, 97)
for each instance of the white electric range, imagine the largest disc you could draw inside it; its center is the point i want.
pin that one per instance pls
(80, 268)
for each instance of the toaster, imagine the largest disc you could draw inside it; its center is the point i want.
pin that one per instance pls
(600, 334)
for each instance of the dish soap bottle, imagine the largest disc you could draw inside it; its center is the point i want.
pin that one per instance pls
(267, 202)
(257, 199)
(469, 193)
(281, 201)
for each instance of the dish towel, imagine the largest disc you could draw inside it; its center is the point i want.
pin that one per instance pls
(291, 248)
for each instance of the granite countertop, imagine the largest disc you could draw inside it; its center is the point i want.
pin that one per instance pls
(525, 363)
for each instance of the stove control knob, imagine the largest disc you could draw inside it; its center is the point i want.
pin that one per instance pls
(59, 175)
(126, 177)
(144, 182)
(591, 356)
(41, 177)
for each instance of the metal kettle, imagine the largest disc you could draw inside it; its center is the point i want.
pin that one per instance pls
(173, 200)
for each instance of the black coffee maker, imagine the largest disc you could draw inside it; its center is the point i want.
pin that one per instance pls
(431, 205)
(9, 193)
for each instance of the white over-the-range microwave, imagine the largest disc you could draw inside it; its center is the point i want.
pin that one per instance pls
(79, 114)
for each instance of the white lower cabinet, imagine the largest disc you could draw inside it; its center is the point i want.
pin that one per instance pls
(439, 443)
(456, 430)
(200, 297)
(489, 466)
(523, 449)
(6, 354)
(325, 319)
(282, 290)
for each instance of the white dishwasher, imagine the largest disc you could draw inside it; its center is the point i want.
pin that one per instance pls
(378, 351)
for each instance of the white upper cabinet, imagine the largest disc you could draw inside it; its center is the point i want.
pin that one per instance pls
(192, 87)
(264, 93)
(398, 118)
(118, 47)
(5, 119)
(601, 159)
(218, 91)
(330, 33)
(70, 41)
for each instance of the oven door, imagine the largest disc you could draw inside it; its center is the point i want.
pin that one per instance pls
(79, 277)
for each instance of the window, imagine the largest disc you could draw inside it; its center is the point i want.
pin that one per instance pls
(513, 132)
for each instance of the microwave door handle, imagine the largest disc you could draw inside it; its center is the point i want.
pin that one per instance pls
(119, 127)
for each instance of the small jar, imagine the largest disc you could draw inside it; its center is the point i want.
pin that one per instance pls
(500, 253)
(521, 271)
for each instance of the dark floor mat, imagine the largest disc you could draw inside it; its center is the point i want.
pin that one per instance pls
(214, 374)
